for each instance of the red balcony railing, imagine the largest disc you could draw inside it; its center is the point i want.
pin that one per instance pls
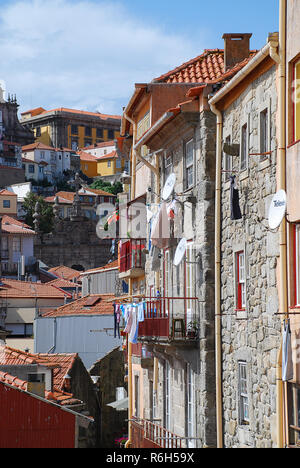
(131, 255)
(171, 318)
(146, 434)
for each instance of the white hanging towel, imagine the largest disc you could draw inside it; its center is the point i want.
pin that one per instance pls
(287, 358)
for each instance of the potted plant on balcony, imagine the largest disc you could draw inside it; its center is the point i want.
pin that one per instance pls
(192, 329)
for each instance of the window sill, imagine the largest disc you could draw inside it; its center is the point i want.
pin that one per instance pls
(264, 164)
(241, 314)
(244, 174)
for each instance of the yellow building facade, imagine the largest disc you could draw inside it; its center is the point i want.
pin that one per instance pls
(71, 128)
(8, 203)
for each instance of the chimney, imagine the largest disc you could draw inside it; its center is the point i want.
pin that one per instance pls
(236, 48)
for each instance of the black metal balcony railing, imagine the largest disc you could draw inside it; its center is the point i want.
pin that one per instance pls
(171, 318)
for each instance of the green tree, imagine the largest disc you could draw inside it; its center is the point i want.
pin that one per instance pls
(46, 212)
(107, 186)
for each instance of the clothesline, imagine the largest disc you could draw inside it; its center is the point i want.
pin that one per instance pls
(132, 315)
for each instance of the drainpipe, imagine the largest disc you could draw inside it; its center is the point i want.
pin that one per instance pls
(283, 294)
(129, 358)
(218, 338)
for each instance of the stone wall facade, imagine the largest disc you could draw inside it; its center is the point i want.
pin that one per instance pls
(194, 220)
(250, 333)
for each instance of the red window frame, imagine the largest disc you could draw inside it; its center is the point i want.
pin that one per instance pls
(296, 267)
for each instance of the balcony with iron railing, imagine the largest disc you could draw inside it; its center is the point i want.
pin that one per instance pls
(170, 319)
(147, 434)
(132, 258)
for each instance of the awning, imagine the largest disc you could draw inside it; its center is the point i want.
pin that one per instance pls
(119, 405)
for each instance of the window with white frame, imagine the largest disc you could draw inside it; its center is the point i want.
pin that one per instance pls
(16, 244)
(190, 407)
(296, 100)
(264, 133)
(190, 272)
(137, 395)
(244, 147)
(189, 164)
(168, 165)
(243, 393)
(167, 395)
(240, 280)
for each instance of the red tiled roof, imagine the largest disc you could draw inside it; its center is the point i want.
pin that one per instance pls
(13, 226)
(22, 289)
(7, 193)
(36, 111)
(205, 68)
(63, 283)
(97, 192)
(65, 272)
(59, 363)
(86, 156)
(37, 145)
(103, 144)
(114, 264)
(111, 155)
(61, 200)
(75, 111)
(94, 304)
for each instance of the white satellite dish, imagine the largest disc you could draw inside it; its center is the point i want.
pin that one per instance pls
(169, 186)
(180, 252)
(277, 209)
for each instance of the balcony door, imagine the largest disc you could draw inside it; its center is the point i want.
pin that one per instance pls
(167, 395)
(190, 282)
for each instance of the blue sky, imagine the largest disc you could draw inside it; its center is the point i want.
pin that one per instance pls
(87, 54)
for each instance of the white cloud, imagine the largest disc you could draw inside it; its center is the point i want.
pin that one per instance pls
(82, 54)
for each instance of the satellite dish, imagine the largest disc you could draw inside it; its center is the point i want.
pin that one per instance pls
(169, 186)
(180, 252)
(277, 209)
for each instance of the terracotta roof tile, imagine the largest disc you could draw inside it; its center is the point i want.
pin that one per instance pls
(63, 283)
(65, 272)
(7, 193)
(87, 156)
(114, 264)
(205, 68)
(99, 305)
(111, 155)
(103, 144)
(81, 112)
(19, 289)
(37, 145)
(13, 226)
(60, 364)
(97, 192)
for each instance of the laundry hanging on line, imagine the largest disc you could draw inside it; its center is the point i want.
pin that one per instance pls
(235, 211)
(133, 314)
